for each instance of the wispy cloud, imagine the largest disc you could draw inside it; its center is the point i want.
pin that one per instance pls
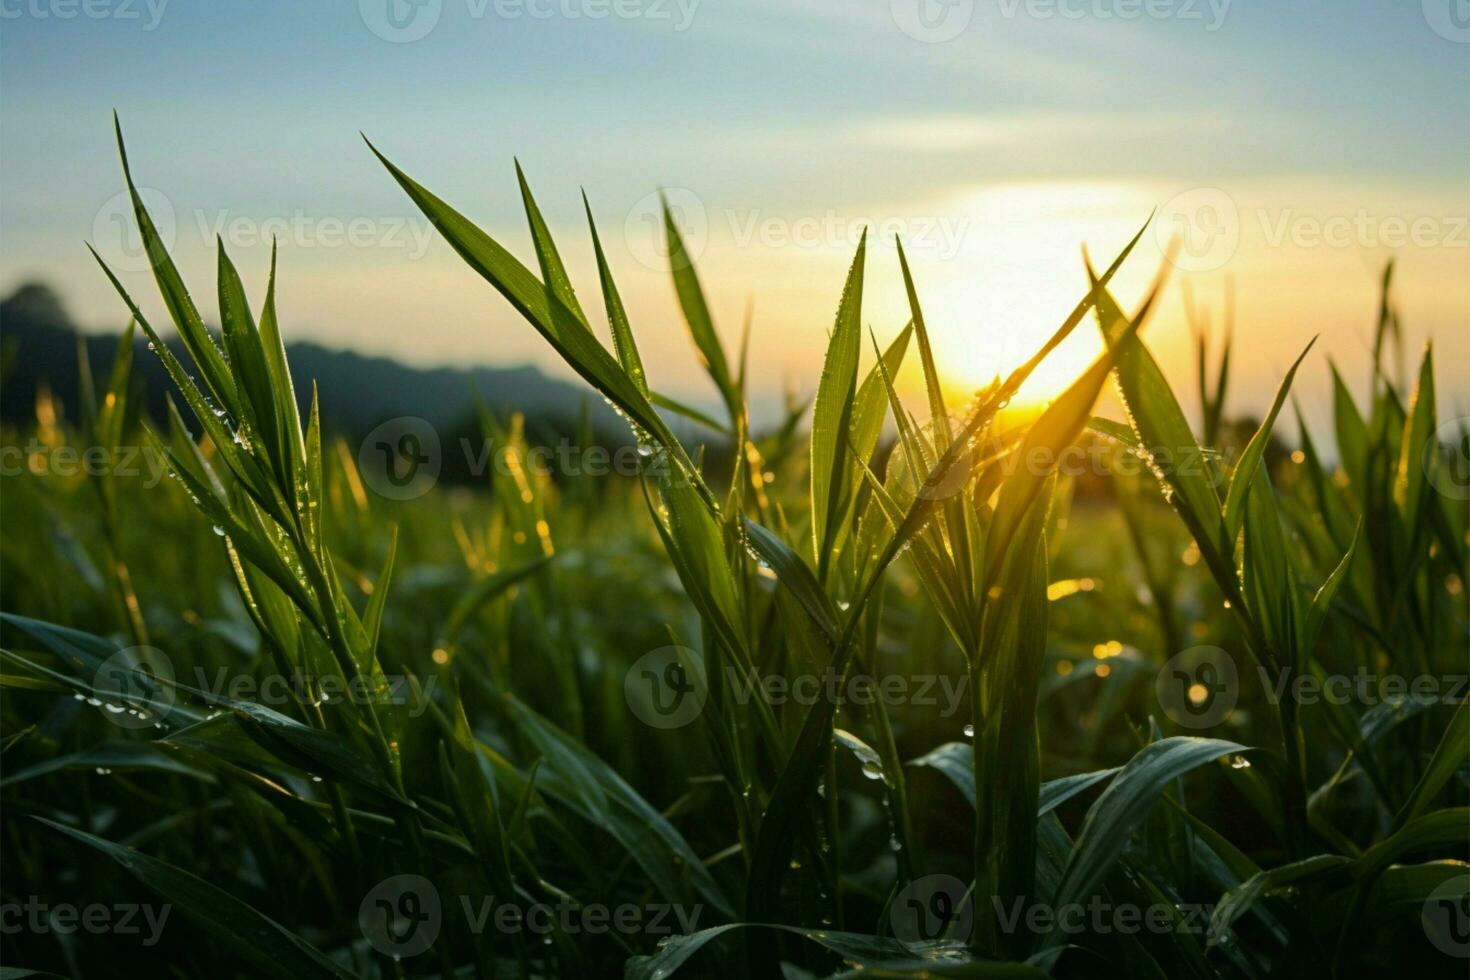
(1052, 130)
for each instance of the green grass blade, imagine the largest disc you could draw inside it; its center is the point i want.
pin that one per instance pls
(197, 341)
(553, 271)
(1352, 433)
(1417, 453)
(259, 940)
(1120, 810)
(794, 574)
(578, 777)
(1255, 450)
(688, 412)
(832, 414)
(939, 415)
(869, 407)
(247, 362)
(1322, 601)
(539, 305)
(292, 447)
(484, 591)
(697, 316)
(244, 466)
(1236, 902)
(874, 956)
(797, 778)
(1155, 415)
(1058, 427)
(624, 346)
(372, 617)
(1449, 758)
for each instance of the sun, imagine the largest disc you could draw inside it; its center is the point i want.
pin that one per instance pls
(970, 360)
(1019, 276)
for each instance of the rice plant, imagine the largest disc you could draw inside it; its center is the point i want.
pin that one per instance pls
(312, 731)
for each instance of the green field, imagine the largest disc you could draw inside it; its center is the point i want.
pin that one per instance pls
(961, 691)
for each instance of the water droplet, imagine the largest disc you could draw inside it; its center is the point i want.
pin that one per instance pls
(872, 766)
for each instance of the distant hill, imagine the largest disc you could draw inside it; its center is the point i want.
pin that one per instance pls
(39, 343)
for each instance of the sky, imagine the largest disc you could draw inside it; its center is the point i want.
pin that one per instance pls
(1290, 149)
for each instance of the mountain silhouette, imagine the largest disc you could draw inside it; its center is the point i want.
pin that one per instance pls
(39, 346)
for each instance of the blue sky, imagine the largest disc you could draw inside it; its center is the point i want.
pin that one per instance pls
(1301, 143)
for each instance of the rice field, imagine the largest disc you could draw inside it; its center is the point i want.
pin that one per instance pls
(885, 690)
